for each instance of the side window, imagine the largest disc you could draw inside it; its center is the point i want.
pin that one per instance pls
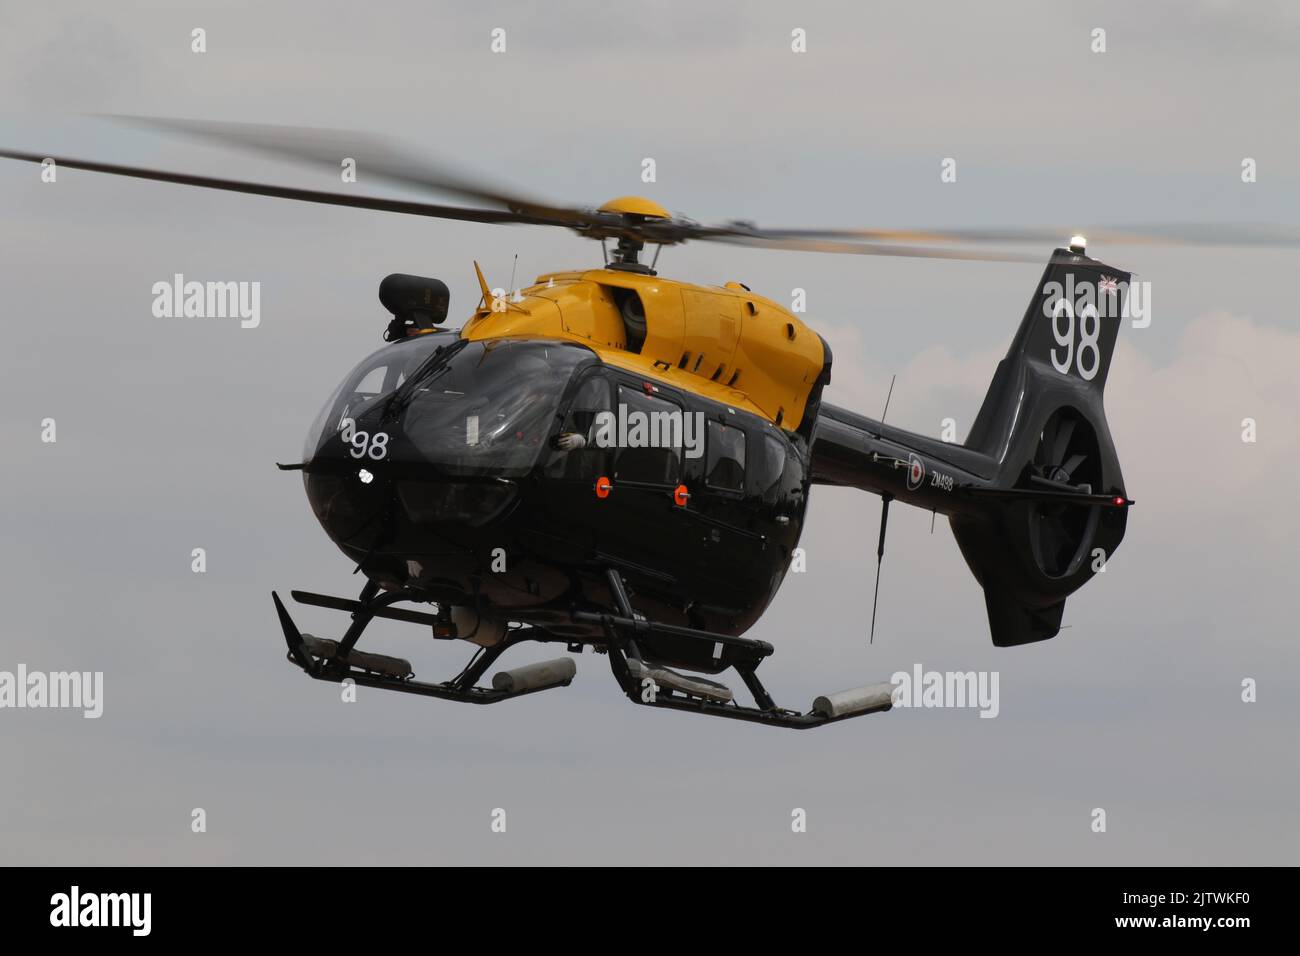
(769, 468)
(724, 466)
(651, 449)
(586, 462)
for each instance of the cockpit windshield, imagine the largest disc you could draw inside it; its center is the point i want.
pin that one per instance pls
(490, 407)
(468, 407)
(374, 376)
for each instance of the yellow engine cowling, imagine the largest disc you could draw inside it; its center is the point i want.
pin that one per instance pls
(727, 343)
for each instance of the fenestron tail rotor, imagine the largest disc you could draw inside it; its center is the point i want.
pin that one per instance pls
(1064, 458)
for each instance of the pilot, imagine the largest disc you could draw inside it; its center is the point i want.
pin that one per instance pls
(569, 441)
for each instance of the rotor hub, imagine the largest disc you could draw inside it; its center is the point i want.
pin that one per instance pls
(636, 206)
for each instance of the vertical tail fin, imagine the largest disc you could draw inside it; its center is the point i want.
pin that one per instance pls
(1044, 424)
(1062, 349)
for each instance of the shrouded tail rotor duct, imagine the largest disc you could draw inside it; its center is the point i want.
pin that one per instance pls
(1029, 555)
(1067, 456)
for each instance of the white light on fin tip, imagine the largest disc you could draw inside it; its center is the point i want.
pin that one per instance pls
(365, 476)
(1078, 244)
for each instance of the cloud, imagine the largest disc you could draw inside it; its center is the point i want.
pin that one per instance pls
(1181, 420)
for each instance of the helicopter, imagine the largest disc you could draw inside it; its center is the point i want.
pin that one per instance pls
(608, 458)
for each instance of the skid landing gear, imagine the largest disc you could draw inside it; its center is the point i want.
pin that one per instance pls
(629, 638)
(654, 685)
(337, 661)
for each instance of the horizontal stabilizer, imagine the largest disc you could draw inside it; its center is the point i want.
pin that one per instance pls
(1048, 495)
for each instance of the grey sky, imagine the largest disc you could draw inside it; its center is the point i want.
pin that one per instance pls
(168, 429)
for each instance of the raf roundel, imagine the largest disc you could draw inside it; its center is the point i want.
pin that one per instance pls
(915, 472)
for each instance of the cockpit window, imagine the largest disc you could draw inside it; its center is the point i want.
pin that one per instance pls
(377, 374)
(653, 453)
(373, 383)
(489, 409)
(578, 457)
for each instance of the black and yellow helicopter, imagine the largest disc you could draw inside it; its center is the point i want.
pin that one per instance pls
(614, 459)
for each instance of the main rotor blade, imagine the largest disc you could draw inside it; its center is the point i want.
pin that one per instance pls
(433, 210)
(1210, 234)
(383, 161)
(375, 158)
(760, 241)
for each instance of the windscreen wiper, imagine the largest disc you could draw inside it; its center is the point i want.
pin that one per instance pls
(436, 361)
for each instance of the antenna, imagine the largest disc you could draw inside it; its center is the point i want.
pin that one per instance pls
(880, 557)
(884, 522)
(513, 270)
